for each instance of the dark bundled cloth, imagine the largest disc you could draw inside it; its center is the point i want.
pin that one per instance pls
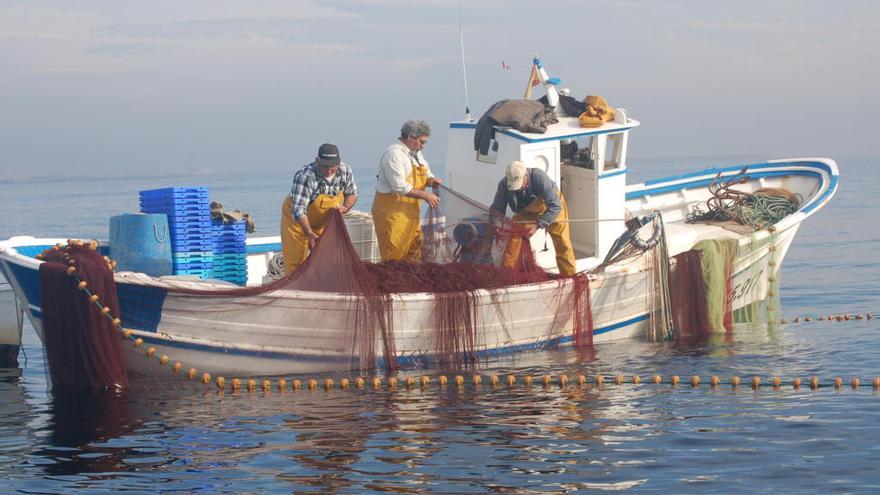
(522, 115)
(217, 213)
(571, 106)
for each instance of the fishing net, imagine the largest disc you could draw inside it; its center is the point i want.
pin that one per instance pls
(83, 348)
(701, 288)
(462, 255)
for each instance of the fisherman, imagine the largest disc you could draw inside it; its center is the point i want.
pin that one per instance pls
(537, 203)
(321, 186)
(403, 175)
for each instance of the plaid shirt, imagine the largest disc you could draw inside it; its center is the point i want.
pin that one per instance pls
(307, 185)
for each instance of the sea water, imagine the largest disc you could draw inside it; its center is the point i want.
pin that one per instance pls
(644, 438)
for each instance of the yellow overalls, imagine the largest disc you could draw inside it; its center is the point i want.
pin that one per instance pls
(294, 241)
(558, 231)
(396, 218)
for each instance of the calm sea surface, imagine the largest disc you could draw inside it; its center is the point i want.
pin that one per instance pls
(645, 439)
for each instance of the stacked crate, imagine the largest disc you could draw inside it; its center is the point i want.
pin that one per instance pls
(189, 222)
(230, 251)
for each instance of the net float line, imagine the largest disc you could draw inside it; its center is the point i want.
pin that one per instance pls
(832, 317)
(560, 381)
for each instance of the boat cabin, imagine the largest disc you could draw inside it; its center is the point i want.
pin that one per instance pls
(588, 165)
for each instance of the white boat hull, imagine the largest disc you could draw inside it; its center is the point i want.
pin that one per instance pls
(10, 329)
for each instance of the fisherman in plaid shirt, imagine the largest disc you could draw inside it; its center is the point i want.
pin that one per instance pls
(324, 185)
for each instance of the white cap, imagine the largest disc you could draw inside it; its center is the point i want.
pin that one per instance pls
(516, 175)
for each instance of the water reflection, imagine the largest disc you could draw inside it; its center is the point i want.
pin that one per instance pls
(423, 440)
(79, 425)
(15, 437)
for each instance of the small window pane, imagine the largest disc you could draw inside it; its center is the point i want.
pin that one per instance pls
(580, 152)
(612, 151)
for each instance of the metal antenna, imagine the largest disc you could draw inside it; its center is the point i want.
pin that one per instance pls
(467, 105)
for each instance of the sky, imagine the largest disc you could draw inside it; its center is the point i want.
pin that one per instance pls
(160, 87)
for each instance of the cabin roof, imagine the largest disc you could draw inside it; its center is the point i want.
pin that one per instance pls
(566, 128)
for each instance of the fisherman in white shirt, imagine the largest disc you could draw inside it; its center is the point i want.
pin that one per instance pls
(403, 176)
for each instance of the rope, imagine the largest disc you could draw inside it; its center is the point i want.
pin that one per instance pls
(19, 319)
(275, 266)
(759, 210)
(156, 233)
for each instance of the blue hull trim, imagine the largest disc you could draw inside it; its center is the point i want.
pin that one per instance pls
(263, 248)
(754, 170)
(613, 174)
(29, 281)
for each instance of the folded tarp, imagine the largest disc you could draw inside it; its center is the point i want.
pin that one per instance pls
(522, 115)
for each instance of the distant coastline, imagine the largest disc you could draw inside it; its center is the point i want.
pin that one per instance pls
(18, 178)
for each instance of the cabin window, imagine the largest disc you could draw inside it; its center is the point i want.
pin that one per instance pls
(581, 151)
(492, 156)
(613, 149)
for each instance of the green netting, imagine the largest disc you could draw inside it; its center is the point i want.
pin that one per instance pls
(716, 263)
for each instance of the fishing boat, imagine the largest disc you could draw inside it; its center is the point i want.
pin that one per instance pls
(302, 331)
(10, 326)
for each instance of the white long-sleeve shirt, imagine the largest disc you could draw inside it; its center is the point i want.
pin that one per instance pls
(395, 166)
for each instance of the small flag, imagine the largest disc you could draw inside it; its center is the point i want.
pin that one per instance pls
(534, 80)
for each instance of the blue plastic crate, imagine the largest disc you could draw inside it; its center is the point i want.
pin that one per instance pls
(178, 245)
(197, 200)
(199, 272)
(192, 257)
(189, 229)
(231, 265)
(191, 247)
(230, 244)
(184, 239)
(202, 218)
(176, 209)
(229, 268)
(228, 231)
(189, 223)
(230, 257)
(184, 234)
(173, 192)
(195, 265)
(229, 239)
(226, 276)
(229, 249)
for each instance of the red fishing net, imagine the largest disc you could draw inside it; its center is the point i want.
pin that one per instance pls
(461, 255)
(688, 296)
(83, 348)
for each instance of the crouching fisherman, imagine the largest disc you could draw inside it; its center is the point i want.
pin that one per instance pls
(321, 186)
(537, 203)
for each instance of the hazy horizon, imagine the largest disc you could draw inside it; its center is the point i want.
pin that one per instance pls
(101, 88)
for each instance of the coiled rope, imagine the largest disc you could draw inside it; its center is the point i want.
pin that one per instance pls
(758, 210)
